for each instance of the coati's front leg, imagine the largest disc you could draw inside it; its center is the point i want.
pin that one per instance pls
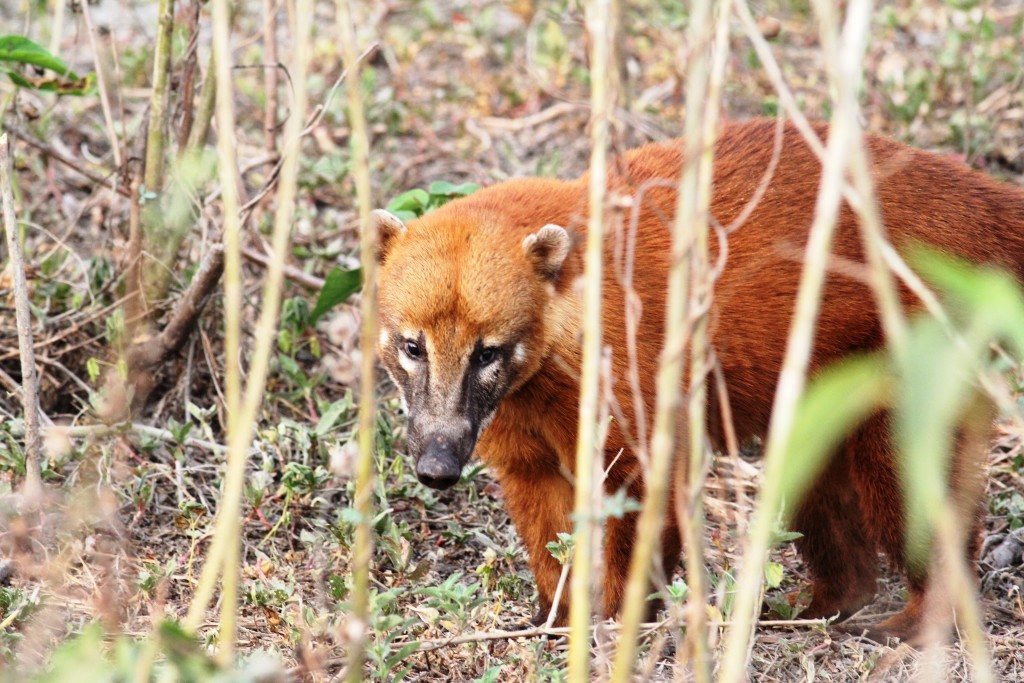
(540, 504)
(619, 540)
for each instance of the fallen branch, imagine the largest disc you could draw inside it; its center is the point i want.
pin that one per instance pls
(145, 356)
(82, 431)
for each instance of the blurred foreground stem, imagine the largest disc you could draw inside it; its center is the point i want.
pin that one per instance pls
(362, 551)
(598, 18)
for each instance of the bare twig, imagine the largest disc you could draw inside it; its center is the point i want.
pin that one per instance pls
(108, 119)
(188, 78)
(33, 486)
(310, 282)
(53, 153)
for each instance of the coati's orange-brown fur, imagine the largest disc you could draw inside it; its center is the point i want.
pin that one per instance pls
(481, 322)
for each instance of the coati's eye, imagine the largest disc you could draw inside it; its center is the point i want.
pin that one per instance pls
(412, 349)
(486, 356)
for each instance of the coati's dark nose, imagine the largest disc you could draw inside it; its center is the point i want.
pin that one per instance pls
(439, 467)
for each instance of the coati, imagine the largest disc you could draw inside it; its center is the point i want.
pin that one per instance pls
(480, 329)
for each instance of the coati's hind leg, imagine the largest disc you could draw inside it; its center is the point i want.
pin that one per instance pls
(877, 479)
(836, 546)
(929, 603)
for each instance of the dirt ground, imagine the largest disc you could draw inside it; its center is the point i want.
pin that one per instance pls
(461, 91)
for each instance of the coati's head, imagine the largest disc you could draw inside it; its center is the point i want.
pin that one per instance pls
(466, 316)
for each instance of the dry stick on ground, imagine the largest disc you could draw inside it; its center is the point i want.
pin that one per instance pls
(33, 487)
(793, 375)
(600, 29)
(362, 552)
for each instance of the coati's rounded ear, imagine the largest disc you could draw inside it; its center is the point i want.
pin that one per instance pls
(547, 249)
(389, 226)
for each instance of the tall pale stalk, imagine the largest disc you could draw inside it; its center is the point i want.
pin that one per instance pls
(689, 230)
(224, 551)
(587, 475)
(154, 172)
(793, 376)
(700, 303)
(362, 551)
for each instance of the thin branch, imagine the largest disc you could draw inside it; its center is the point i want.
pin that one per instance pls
(50, 151)
(33, 486)
(270, 75)
(227, 531)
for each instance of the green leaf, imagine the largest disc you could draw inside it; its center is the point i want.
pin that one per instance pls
(330, 417)
(413, 201)
(339, 286)
(24, 51)
(772, 574)
(92, 366)
(491, 675)
(445, 189)
(21, 50)
(838, 398)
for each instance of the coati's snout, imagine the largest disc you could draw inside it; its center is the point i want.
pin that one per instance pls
(439, 465)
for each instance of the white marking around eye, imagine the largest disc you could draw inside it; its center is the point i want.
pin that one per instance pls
(489, 373)
(408, 364)
(385, 335)
(519, 355)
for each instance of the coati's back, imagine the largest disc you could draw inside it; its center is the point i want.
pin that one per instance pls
(925, 199)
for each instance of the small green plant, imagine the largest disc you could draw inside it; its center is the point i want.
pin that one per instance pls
(562, 547)
(454, 602)
(391, 643)
(1009, 504)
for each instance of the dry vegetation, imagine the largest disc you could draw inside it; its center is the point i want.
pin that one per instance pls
(458, 92)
